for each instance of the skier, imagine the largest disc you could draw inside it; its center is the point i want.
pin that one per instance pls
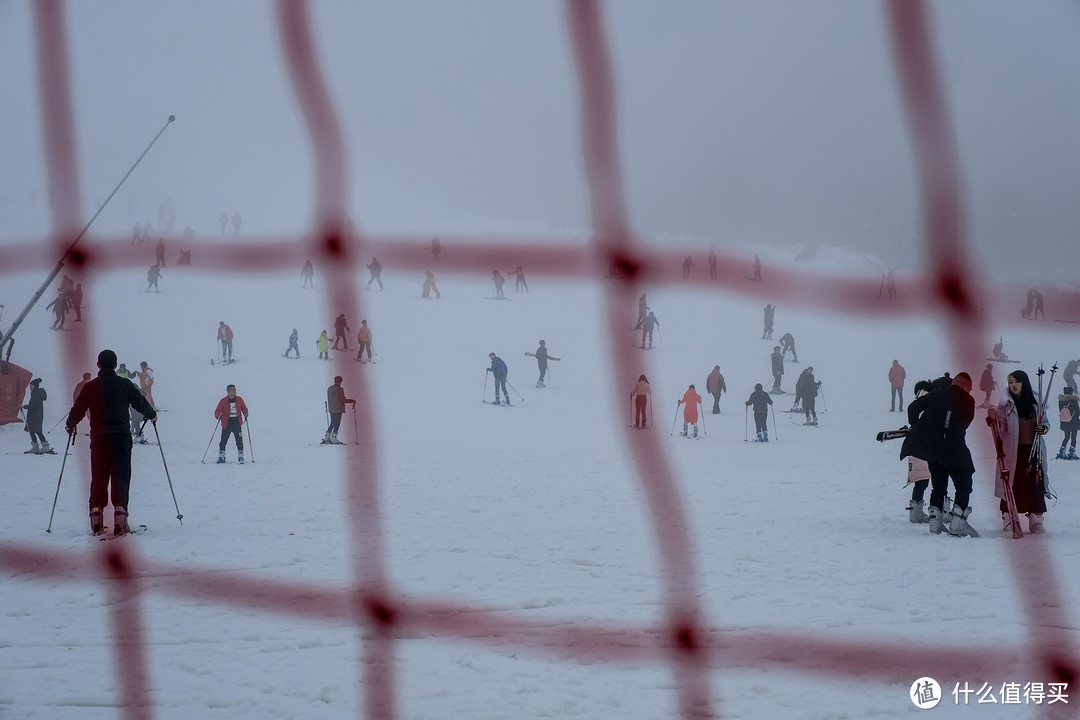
(999, 353)
(225, 335)
(59, 308)
(123, 372)
(499, 281)
(642, 311)
(918, 473)
(715, 385)
(806, 387)
(987, 383)
(375, 270)
(499, 370)
(308, 273)
(232, 411)
(647, 329)
(341, 326)
(429, 284)
(787, 344)
(35, 415)
(712, 263)
(939, 422)
(76, 301)
(152, 276)
(107, 398)
(364, 339)
(1017, 421)
(519, 279)
(640, 397)
(686, 265)
(159, 252)
(322, 344)
(1069, 418)
(78, 388)
(335, 405)
(1038, 306)
(1029, 305)
(145, 374)
(436, 247)
(777, 370)
(185, 257)
(294, 340)
(897, 376)
(757, 269)
(1072, 370)
(760, 401)
(770, 313)
(690, 400)
(542, 358)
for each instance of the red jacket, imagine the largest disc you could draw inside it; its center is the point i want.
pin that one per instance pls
(224, 332)
(691, 399)
(221, 412)
(715, 382)
(897, 374)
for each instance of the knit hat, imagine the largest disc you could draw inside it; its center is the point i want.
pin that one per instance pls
(35, 382)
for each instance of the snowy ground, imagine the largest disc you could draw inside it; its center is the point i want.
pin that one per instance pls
(533, 509)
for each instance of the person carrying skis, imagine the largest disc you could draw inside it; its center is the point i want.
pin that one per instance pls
(335, 405)
(294, 340)
(225, 337)
(760, 401)
(787, 344)
(375, 270)
(1017, 422)
(647, 329)
(777, 370)
(499, 370)
(145, 374)
(499, 281)
(107, 398)
(642, 311)
(429, 284)
(806, 388)
(640, 397)
(542, 358)
(918, 473)
(939, 421)
(232, 412)
(364, 338)
(715, 385)
(308, 273)
(322, 344)
(152, 276)
(35, 416)
(1069, 418)
(897, 376)
(987, 383)
(341, 326)
(690, 401)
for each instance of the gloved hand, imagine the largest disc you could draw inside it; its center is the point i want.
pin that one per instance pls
(1042, 429)
(71, 429)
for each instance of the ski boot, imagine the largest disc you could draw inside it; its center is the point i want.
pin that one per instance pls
(958, 524)
(758, 438)
(695, 430)
(326, 438)
(935, 520)
(240, 458)
(814, 421)
(916, 514)
(1006, 523)
(34, 447)
(1035, 523)
(1061, 454)
(1072, 453)
(221, 457)
(683, 433)
(765, 436)
(120, 521)
(333, 439)
(97, 520)
(540, 384)
(45, 447)
(496, 401)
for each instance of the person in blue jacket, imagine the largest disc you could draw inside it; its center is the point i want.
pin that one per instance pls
(498, 369)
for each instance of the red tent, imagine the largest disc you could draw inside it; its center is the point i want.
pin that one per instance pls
(13, 383)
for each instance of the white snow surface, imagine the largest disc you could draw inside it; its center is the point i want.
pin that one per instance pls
(533, 510)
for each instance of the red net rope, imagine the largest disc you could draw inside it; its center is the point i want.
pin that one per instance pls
(685, 642)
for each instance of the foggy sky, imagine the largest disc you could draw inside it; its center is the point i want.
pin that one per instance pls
(775, 121)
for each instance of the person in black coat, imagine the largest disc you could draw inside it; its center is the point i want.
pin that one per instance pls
(107, 398)
(777, 369)
(939, 421)
(806, 389)
(760, 401)
(35, 416)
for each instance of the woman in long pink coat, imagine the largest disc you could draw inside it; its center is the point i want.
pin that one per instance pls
(690, 401)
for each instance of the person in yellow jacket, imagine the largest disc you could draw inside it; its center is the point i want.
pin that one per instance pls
(323, 345)
(364, 339)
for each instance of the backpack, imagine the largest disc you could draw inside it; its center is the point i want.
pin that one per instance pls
(1065, 415)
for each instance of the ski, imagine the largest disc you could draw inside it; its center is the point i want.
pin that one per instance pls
(1000, 360)
(50, 451)
(497, 404)
(892, 434)
(1006, 481)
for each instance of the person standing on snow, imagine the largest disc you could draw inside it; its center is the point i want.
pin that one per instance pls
(777, 370)
(715, 385)
(1069, 417)
(1017, 421)
(918, 473)
(499, 370)
(232, 411)
(86, 377)
(897, 376)
(807, 388)
(341, 326)
(760, 401)
(35, 416)
(642, 311)
(787, 344)
(429, 284)
(499, 280)
(107, 398)
(294, 340)
(364, 338)
(375, 270)
(308, 273)
(152, 276)
(640, 397)
(335, 405)
(322, 344)
(690, 400)
(987, 383)
(939, 421)
(145, 374)
(225, 337)
(519, 279)
(1070, 374)
(770, 314)
(542, 358)
(647, 329)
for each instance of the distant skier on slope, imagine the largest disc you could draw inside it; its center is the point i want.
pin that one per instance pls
(787, 344)
(499, 370)
(499, 280)
(335, 405)
(542, 357)
(760, 401)
(640, 397)
(225, 337)
(647, 328)
(777, 370)
(375, 270)
(715, 385)
(770, 314)
(807, 388)
(364, 339)
(690, 401)
(35, 416)
(294, 340)
(341, 327)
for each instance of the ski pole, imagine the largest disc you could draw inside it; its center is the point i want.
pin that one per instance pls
(674, 419)
(633, 417)
(746, 424)
(179, 516)
(776, 435)
(55, 424)
(660, 336)
(515, 390)
(356, 430)
(209, 443)
(824, 405)
(71, 441)
(701, 411)
(484, 396)
(326, 409)
(650, 414)
(251, 445)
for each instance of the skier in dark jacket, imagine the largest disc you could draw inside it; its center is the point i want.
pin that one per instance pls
(770, 313)
(760, 401)
(787, 344)
(987, 383)
(806, 388)
(107, 398)
(939, 422)
(542, 358)
(35, 416)
(1068, 407)
(647, 326)
(375, 269)
(335, 405)
(777, 369)
(341, 327)
(1070, 375)
(499, 370)
(294, 340)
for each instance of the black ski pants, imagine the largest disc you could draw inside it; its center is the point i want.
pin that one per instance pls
(232, 428)
(761, 421)
(110, 464)
(939, 485)
(716, 402)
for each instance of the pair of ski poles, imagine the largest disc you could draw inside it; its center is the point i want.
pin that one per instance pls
(484, 397)
(746, 425)
(251, 445)
(675, 420)
(71, 443)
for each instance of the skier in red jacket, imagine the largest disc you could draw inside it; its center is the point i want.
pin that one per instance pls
(232, 411)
